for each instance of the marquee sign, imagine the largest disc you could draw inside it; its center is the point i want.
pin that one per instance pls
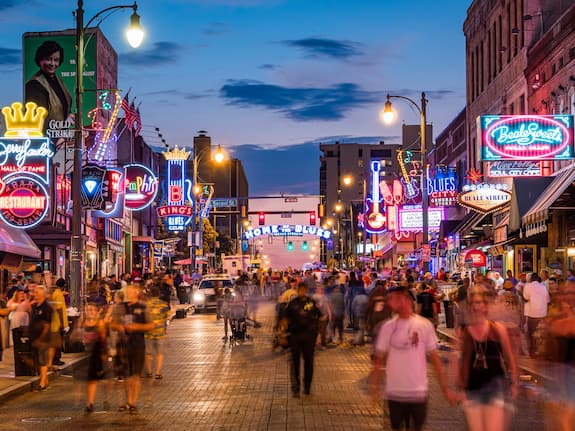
(514, 168)
(25, 157)
(442, 186)
(526, 137)
(484, 198)
(410, 218)
(178, 208)
(140, 187)
(287, 230)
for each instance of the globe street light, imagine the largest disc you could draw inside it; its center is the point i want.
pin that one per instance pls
(387, 116)
(197, 189)
(135, 36)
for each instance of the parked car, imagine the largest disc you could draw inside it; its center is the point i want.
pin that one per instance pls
(204, 294)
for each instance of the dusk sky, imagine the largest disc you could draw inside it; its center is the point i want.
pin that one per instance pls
(269, 79)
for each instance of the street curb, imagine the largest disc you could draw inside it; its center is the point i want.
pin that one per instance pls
(21, 387)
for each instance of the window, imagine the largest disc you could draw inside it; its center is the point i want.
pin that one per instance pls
(381, 154)
(360, 153)
(553, 69)
(522, 104)
(571, 53)
(560, 62)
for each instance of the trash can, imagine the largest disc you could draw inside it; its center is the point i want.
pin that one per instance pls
(69, 344)
(23, 356)
(449, 316)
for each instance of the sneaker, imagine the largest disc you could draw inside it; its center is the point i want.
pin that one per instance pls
(149, 375)
(133, 410)
(159, 377)
(40, 388)
(89, 409)
(59, 363)
(123, 408)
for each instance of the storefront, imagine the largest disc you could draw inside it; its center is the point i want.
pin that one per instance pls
(15, 244)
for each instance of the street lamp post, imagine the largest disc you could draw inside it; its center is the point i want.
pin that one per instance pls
(135, 36)
(388, 117)
(197, 215)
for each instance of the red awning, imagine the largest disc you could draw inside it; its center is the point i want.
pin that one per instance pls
(475, 258)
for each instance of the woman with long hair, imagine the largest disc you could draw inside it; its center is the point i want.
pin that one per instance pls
(486, 360)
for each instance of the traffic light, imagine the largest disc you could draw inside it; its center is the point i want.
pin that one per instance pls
(304, 246)
(262, 218)
(290, 246)
(312, 218)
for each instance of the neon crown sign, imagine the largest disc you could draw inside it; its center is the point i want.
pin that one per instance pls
(24, 166)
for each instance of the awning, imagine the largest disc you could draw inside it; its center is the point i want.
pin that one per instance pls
(18, 242)
(148, 239)
(525, 192)
(539, 212)
(471, 220)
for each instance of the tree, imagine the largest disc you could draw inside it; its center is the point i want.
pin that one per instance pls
(226, 246)
(209, 236)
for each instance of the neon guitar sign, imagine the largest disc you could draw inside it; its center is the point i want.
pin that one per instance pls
(374, 219)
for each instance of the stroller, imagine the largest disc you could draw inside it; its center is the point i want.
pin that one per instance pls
(238, 322)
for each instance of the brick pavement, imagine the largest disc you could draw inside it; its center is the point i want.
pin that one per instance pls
(209, 385)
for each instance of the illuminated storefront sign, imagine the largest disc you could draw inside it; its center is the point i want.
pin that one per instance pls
(475, 258)
(410, 218)
(484, 198)
(514, 168)
(25, 157)
(178, 208)
(442, 186)
(140, 187)
(526, 137)
(287, 230)
(373, 218)
(115, 207)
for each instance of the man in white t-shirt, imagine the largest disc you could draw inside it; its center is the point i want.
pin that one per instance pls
(536, 297)
(402, 346)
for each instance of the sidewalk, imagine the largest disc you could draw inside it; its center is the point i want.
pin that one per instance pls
(10, 385)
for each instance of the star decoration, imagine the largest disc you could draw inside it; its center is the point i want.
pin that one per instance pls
(474, 176)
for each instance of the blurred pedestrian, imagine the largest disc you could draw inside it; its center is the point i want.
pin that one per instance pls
(377, 309)
(403, 345)
(359, 311)
(337, 304)
(302, 316)
(95, 344)
(133, 321)
(324, 306)
(536, 299)
(60, 325)
(40, 324)
(155, 338)
(485, 350)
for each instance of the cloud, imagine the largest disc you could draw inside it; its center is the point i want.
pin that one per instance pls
(215, 29)
(268, 66)
(7, 4)
(177, 93)
(299, 104)
(10, 56)
(160, 54)
(317, 47)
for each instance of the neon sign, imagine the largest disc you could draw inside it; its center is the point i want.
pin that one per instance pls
(373, 218)
(177, 191)
(23, 201)
(514, 168)
(484, 198)
(140, 187)
(24, 166)
(526, 137)
(442, 186)
(114, 208)
(287, 230)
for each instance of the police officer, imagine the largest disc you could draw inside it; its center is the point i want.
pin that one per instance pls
(302, 315)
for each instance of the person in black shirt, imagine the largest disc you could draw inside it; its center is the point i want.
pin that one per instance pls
(425, 303)
(40, 323)
(302, 315)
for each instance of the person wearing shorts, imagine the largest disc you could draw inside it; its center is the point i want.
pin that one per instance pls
(134, 323)
(160, 313)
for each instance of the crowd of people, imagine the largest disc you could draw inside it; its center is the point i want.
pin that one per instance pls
(496, 321)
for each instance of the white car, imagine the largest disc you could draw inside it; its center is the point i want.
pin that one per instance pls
(204, 294)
